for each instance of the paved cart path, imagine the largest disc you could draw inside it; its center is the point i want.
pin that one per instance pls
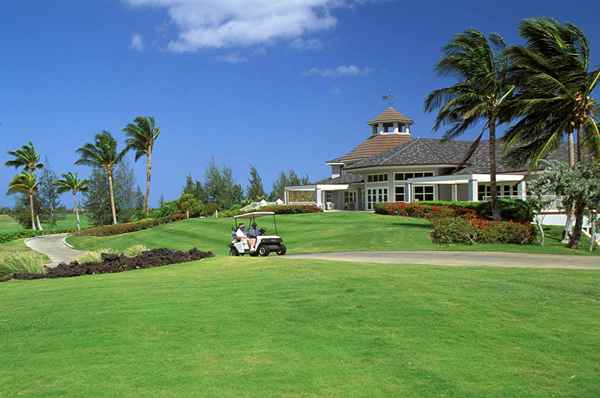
(458, 259)
(55, 248)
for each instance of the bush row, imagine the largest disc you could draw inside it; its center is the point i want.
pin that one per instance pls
(510, 209)
(423, 210)
(117, 229)
(460, 230)
(112, 263)
(28, 233)
(291, 209)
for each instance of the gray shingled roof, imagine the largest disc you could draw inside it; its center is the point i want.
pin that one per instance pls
(425, 151)
(346, 178)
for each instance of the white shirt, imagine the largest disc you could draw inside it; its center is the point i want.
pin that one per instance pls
(240, 234)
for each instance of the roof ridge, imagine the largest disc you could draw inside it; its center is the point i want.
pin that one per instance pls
(392, 151)
(437, 153)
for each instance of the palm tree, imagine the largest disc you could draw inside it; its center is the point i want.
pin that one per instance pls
(26, 157)
(554, 84)
(103, 153)
(25, 182)
(481, 67)
(70, 182)
(141, 136)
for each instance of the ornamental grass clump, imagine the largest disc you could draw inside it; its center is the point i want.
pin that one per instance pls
(21, 262)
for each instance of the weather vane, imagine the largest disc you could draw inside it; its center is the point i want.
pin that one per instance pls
(389, 98)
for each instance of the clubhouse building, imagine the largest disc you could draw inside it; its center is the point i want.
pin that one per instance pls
(393, 166)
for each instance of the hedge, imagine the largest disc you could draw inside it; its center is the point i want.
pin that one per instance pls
(460, 230)
(418, 210)
(515, 210)
(117, 229)
(291, 209)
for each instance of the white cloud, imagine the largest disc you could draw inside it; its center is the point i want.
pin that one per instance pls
(137, 42)
(234, 23)
(232, 58)
(340, 71)
(306, 44)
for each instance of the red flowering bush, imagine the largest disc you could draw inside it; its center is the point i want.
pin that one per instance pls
(423, 211)
(477, 230)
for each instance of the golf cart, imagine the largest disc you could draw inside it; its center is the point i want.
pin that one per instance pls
(265, 243)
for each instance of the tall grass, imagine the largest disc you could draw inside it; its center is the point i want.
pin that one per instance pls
(20, 262)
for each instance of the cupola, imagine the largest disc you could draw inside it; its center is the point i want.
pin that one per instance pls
(390, 121)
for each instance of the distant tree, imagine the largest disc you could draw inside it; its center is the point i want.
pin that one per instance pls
(48, 194)
(71, 183)
(26, 183)
(190, 205)
(25, 157)
(141, 137)
(139, 197)
(103, 153)
(256, 191)
(284, 179)
(220, 188)
(127, 195)
(161, 201)
(97, 200)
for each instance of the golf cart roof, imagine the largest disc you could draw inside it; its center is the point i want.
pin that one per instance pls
(255, 214)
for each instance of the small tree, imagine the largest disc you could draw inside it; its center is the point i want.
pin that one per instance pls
(26, 183)
(189, 204)
(256, 191)
(71, 183)
(539, 190)
(48, 194)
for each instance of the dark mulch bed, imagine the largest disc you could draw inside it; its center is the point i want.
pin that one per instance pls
(112, 263)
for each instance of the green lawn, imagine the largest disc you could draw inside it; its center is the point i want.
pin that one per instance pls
(312, 233)
(276, 327)
(65, 220)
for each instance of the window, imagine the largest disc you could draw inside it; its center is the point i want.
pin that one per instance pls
(377, 178)
(349, 200)
(504, 191)
(408, 176)
(388, 128)
(424, 192)
(376, 195)
(400, 194)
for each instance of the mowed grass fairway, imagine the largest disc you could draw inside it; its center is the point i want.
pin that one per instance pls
(305, 233)
(255, 327)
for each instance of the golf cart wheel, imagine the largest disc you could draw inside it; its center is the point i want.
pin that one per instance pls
(263, 251)
(281, 251)
(233, 252)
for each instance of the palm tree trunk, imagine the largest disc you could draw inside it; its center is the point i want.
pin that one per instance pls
(76, 211)
(148, 179)
(579, 205)
(33, 226)
(37, 217)
(493, 182)
(569, 223)
(111, 193)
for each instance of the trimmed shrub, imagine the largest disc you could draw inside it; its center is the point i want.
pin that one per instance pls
(113, 263)
(477, 230)
(453, 230)
(292, 209)
(108, 230)
(418, 210)
(515, 210)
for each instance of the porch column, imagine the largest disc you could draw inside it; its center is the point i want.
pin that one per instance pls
(285, 196)
(522, 189)
(454, 192)
(319, 198)
(408, 192)
(473, 190)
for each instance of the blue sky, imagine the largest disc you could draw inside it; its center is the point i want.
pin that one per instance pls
(279, 84)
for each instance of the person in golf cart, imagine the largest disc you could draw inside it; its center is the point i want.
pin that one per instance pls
(255, 242)
(241, 236)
